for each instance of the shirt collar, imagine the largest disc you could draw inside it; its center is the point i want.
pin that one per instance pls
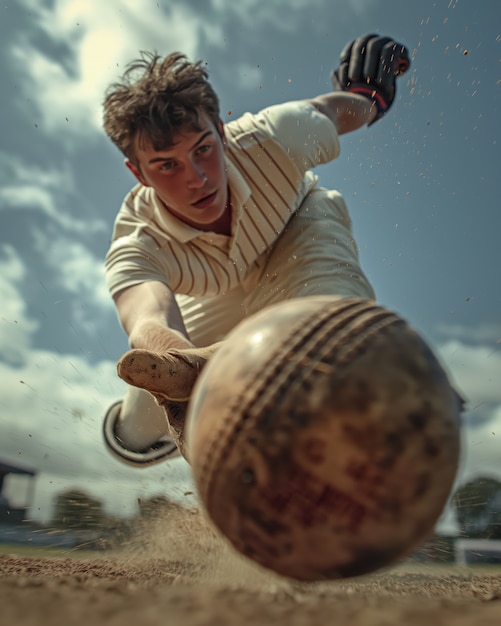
(240, 190)
(168, 222)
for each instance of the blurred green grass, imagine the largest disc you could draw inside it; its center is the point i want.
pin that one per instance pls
(26, 550)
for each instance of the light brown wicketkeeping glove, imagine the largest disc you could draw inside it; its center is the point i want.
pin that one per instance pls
(170, 378)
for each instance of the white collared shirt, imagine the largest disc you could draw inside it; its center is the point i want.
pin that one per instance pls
(268, 158)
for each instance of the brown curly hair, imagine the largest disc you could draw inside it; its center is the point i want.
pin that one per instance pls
(168, 96)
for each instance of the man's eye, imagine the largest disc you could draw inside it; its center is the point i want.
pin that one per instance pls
(203, 149)
(168, 165)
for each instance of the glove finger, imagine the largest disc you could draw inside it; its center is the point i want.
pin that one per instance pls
(393, 59)
(343, 77)
(374, 57)
(403, 60)
(356, 69)
(344, 57)
(340, 78)
(385, 74)
(337, 82)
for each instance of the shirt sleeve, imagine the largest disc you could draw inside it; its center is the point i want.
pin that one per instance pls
(134, 256)
(308, 136)
(132, 260)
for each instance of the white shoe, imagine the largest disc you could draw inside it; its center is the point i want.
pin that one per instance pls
(161, 450)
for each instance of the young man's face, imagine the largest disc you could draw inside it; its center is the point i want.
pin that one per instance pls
(189, 177)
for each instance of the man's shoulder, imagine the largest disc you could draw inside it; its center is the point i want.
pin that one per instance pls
(267, 118)
(137, 210)
(298, 128)
(139, 201)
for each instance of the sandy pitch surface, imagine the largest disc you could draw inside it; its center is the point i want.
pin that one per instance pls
(177, 571)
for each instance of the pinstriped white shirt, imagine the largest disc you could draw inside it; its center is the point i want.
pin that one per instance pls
(269, 157)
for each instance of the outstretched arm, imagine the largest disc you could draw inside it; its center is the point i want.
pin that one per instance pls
(163, 360)
(151, 317)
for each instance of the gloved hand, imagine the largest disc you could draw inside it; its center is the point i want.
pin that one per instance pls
(370, 66)
(170, 378)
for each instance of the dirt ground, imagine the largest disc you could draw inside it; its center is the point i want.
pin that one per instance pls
(178, 572)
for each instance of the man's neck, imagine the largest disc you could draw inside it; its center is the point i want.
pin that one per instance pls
(222, 226)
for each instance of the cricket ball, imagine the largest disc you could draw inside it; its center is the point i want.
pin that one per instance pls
(324, 438)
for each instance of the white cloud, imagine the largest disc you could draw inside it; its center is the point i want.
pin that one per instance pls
(476, 371)
(56, 178)
(482, 333)
(80, 273)
(247, 75)
(15, 327)
(46, 190)
(482, 450)
(72, 266)
(76, 269)
(283, 14)
(102, 38)
(361, 6)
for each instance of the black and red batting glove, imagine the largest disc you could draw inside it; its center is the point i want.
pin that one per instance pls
(370, 66)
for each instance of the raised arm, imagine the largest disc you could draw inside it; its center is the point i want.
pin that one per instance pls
(364, 83)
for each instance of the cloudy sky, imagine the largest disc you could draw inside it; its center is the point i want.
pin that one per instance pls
(422, 186)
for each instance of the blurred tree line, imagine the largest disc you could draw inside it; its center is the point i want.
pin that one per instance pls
(81, 515)
(478, 508)
(78, 514)
(75, 510)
